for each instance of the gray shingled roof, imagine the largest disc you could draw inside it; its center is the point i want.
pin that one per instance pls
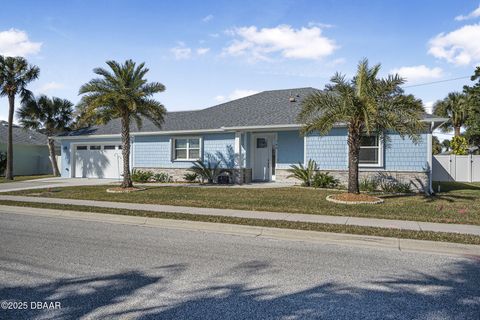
(21, 135)
(262, 109)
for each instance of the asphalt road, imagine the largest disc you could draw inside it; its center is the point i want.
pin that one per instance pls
(101, 270)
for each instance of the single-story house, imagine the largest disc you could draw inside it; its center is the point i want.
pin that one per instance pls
(30, 151)
(257, 137)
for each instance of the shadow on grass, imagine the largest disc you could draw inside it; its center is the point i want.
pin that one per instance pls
(455, 186)
(451, 293)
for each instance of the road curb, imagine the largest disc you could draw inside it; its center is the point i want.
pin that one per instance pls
(402, 245)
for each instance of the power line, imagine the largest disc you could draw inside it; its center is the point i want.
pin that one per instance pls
(434, 82)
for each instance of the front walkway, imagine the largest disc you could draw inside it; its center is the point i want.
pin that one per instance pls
(294, 217)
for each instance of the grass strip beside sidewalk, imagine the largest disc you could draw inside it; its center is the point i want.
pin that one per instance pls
(335, 228)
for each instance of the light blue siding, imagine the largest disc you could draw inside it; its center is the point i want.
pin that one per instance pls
(152, 151)
(156, 151)
(220, 147)
(404, 155)
(330, 152)
(290, 145)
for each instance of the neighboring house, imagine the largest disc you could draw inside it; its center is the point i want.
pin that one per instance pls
(30, 151)
(257, 137)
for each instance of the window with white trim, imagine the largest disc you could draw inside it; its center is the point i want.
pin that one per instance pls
(370, 151)
(186, 149)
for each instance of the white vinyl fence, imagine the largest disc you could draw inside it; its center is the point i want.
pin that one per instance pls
(456, 168)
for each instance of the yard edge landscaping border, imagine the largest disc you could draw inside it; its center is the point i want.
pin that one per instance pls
(331, 199)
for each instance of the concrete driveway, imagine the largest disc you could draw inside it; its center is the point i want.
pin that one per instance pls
(53, 183)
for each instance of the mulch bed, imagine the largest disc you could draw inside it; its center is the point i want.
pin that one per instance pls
(352, 198)
(123, 190)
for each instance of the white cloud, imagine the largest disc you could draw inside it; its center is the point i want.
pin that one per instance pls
(418, 73)
(202, 51)
(236, 94)
(428, 106)
(49, 86)
(207, 18)
(460, 46)
(15, 42)
(181, 52)
(258, 44)
(474, 14)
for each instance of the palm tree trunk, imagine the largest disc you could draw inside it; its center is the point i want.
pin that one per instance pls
(53, 159)
(457, 131)
(353, 156)
(127, 180)
(9, 169)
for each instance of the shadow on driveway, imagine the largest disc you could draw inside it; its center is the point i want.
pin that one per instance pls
(452, 294)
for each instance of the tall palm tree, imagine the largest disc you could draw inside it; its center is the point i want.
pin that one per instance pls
(122, 92)
(15, 75)
(455, 107)
(48, 115)
(366, 104)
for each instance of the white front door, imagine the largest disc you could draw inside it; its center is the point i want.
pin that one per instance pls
(262, 157)
(98, 161)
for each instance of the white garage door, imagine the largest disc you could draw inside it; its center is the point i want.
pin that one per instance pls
(98, 161)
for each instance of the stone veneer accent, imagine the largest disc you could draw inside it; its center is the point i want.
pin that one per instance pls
(240, 175)
(419, 180)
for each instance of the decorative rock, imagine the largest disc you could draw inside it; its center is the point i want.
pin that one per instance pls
(331, 199)
(124, 190)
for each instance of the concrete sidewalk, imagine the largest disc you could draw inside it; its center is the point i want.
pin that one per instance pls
(266, 215)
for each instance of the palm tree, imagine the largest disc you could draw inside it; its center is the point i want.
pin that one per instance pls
(455, 108)
(49, 116)
(436, 145)
(15, 74)
(366, 104)
(122, 92)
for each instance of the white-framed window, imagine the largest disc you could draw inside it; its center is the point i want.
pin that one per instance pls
(186, 149)
(371, 151)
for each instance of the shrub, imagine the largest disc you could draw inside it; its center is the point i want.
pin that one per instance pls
(403, 187)
(369, 184)
(141, 176)
(162, 177)
(302, 173)
(389, 184)
(209, 171)
(191, 176)
(3, 163)
(459, 145)
(324, 180)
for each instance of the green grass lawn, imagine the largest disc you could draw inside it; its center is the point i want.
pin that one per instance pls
(24, 178)
(457, 203)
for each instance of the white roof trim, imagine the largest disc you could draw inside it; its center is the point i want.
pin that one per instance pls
(437, 121)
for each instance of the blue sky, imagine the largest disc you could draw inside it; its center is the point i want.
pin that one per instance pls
(206, 52)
